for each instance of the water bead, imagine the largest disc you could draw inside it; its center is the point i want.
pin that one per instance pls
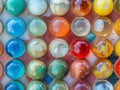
(102, 85)
(36, 85)
(36, 69)
(1, 48)
(15, 27)
(117, 68)
(103, 7)
(37, 7)
(14, 85)
(15, 47)
(117, 26)
(80, 85)
(103, 68)
(1, 6)
(15, 69)
(59, 7)
(80, 26)
(80, 69)
(58, 48)
(1, 27)
(117, 6)
(1, 70)
(58, 68)
(102, 47)
(58, 85)
(37, 48)
(81, 7)
(15, 7)
(80, 48)
(37, 27)
(102, 26)
(117, 85)
(59, 27)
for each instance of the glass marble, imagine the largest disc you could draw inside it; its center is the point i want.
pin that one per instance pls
(37, 47)
(102, 47)
(59, 7)
(117, 48)
(117, 68)
(59, 27)
(1, 27)
(80, 26)
(117, 26)
(117, 86)
(15, 27)
(80, 69)
(15, 69)
(102, 85)
(1, 70)
(1, 6)
(117, 6)
(1, 48)
(103, 7)
(58, 68)
(15, 47)
(15, 7)
(14, 85)
(36, 69)
(58, 48)
(81, 7)
(80, 48)
(103, 68)
(37, 27)
(80, 85)
(102, 26)
(37, 7)
(36, 85)
(58, 85)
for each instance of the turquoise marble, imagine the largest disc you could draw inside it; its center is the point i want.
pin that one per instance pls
(15, 69)
(15, 7)
(14, 85)
(37, 7)
(36, 85)
(15, 27)
(15, 47)
(37, 27)
(58, 68)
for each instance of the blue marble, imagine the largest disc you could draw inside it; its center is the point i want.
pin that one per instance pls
(47, 79)
(90, 37)
(14, 85)
(15, 47)
(15, 27)
(15, 69)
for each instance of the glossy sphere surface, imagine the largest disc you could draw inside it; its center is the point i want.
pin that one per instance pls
(15, 69)
(1, 70)
(80, 85)
(80, 26)
(117, 68)
(59, 7)
(102, 26)
(15, 47)
(36, 69)
(117, 6)
(102, 85)
(37, 48)
(102, 68)
(15, 7)
(1, 48)
(37, 7)
(117, 26)
(80, 48)
(58, 48)
(80, 69)
(117, 48)
(117, 86)
(14, 85)
(1, 27)
(103, 7)
(81, 7)
(37, 27)
(59, 27)
(58, 85)
(15, 27)
(102, 48)
(36, 85)
(58, 68)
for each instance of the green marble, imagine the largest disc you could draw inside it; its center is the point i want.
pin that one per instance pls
(36, 69)
(117, 6)
(36, 85)
(58, 68)
(15, 7)
(58, 85)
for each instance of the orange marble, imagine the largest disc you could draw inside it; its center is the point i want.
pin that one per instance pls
(117, 26)
(117, 86)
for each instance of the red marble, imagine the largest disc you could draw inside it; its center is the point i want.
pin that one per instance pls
(117, 68)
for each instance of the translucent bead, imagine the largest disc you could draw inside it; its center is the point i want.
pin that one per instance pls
(117, 68)
(117, 27)
(117, 85)
(117, 6)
